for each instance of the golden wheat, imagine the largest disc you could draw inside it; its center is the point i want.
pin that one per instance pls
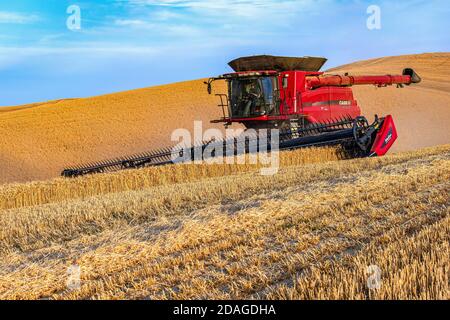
(22, 195)
(309, 232)
(39, 140)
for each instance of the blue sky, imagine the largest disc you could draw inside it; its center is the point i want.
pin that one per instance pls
(127, 44)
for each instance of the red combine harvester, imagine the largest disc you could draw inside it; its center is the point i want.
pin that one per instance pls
(309, 108)
(292, 95)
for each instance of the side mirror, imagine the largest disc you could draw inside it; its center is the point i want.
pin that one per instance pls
(209, 86)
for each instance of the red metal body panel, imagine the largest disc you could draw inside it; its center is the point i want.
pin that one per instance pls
(386, 137)
(314, 96)
(337, 80)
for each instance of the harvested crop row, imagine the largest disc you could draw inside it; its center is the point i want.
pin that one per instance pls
(32, 228)
(412, 265)
(250, 241)
(36, 193)
(262, 233)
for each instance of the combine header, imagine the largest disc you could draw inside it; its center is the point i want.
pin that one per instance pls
(309, 108)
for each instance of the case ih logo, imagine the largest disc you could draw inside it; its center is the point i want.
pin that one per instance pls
(388, 138)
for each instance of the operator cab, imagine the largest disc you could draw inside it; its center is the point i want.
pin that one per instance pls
(252, 97)
(256, 94)
(264, 91)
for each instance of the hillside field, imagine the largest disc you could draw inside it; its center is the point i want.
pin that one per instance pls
(38, 141)
(309, 232)
(321, 228)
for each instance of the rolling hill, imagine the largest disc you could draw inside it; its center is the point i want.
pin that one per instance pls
(39, 140)
(314, 231)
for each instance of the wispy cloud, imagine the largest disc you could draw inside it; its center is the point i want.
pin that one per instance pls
(163, 29)
(219, 19)
(17, 18)
(217, 4)
(132, 22)
(252, 9)
(83, 48)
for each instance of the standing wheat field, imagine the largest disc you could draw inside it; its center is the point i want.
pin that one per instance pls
(309, 232)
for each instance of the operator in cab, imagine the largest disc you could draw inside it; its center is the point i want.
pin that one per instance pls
(252, 96)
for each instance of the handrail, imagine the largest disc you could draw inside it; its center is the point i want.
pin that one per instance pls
(222, 104)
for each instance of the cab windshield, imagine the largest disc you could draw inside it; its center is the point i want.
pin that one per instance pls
(253, 97)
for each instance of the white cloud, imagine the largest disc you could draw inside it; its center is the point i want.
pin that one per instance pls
(165, 15)
(83, 48)
(238, 8)
(17, 18)
(131, 22)
(10, 56)
(162, 29)
(217, 4)
(219, 18)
